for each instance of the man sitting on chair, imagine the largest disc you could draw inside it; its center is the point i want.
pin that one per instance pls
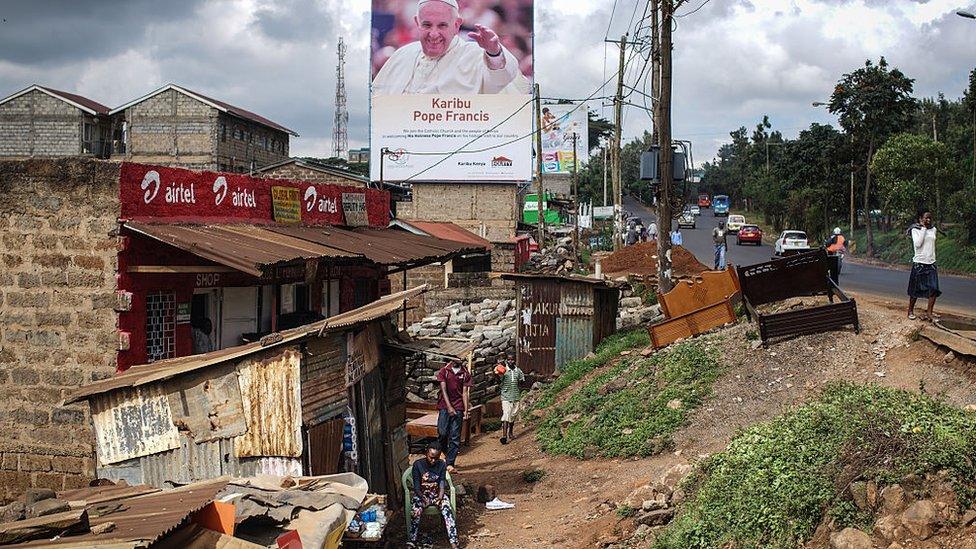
(430, 488)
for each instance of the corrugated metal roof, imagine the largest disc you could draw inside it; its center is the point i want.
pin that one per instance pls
(247, 248)
(144, 519)
(131, 423)
(439, 347)
(443, 229)
(558, 278)
(165, 369)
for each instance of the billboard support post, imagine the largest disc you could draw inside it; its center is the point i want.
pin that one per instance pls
(540, 189)
(576, 201)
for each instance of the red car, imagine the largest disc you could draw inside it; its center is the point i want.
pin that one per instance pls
(704, 201)
(749, 233)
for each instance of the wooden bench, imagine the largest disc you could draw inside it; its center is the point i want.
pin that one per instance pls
(422, 421)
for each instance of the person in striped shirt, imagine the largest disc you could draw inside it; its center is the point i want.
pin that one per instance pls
(511, 393)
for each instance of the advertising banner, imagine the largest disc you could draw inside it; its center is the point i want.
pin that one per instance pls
(559, 123)
(451, 90)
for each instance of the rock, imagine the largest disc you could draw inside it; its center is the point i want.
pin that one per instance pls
(949, 357)
(756, 344)
(47, 507)
(886, 527)
(15, 510)
(37, 494)
(675, 404)
(537, 385)
(486, 493)
(538, 413)
(871, 491)
(642, 531)
(894, 500)
(676, 474)
(922, 519)
(970, 408)
(859, 493)
(615, 385)
(591, 355)
(659, 517)
(591, 452)
(103, 528)
(896, 545)
(968, 518)
(851, 538)
(640, 494)
(630, 302)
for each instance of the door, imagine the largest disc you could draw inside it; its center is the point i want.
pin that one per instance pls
(239, 315)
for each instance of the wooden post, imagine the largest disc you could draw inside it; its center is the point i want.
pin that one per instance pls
(666, 162)
(615, 152)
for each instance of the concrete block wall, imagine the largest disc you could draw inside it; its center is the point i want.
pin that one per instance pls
(236, 154)
(57, 314)
(482, 208)
(300, 173)
(36, 124)
(172, 129)
(432, 275)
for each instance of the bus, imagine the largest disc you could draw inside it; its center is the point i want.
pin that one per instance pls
(720, 205)
(704, 201)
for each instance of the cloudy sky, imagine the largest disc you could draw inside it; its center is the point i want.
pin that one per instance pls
(735, 60)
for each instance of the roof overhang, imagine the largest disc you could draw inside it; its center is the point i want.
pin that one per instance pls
(45, 91)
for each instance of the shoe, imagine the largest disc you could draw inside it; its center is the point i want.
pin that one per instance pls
(504, 440)
(911, 316)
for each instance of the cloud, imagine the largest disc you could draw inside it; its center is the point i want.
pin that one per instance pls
(735, 60)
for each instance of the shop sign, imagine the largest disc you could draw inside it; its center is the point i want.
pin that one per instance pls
(286, 205)
(183, 313)
(354, 209)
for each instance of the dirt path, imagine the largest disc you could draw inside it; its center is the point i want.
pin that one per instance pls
(570, 507)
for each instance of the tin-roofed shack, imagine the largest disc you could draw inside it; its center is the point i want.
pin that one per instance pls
(319, 399)
(560, 318)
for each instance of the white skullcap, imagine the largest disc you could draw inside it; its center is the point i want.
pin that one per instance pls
(452, 3)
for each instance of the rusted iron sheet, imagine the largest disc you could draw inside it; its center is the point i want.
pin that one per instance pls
(575, 299)
(606, 302)
(574, 339)
(271, 393)
(538, 306)
(323, 379)
(324, 447)
(705, 289)
(246, 248)
(165, 369)
(207, 404)
(712, 316)
(131, 423)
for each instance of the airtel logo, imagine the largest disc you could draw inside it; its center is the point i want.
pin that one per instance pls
(220, 189)
(324, 204)
(151, 179)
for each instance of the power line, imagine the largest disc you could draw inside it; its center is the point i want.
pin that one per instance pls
(694, 10)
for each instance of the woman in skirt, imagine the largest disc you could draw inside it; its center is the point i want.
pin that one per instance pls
(924, 280)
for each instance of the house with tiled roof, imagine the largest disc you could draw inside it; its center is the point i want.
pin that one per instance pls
(39, 121)
(176, 126)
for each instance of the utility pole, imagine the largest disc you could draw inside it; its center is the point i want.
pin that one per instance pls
(539, 188)
(655, 67)
(618, 109)
(576, 202)
(604, 174)
(666, 162)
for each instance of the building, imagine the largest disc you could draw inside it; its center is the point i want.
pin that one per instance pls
(43, 122)
(303, 169)
(359, 156)
(107, 265)
(280, 406)
(174, 126)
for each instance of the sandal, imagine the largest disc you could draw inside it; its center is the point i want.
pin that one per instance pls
(911, 316)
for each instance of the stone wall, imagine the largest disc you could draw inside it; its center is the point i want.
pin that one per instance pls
(298, 172)
(36, 124)
(490, 324)
(57, 317)
(486, 209)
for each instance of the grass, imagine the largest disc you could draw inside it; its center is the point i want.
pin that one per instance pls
(776, 480)
(575, 370)
(635, 419)
(533, 475)
(951, 251)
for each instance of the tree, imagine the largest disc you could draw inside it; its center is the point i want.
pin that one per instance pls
(873, 103)
(599, 130)
(909, 170)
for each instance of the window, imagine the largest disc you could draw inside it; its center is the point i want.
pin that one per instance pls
(238, 134)
(264, 142)
(223, 132)
(160, 326)
(88, 131)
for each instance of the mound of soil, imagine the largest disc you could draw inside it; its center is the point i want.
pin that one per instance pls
(641, 259)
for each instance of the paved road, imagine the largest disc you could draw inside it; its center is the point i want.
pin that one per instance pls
(957, 292)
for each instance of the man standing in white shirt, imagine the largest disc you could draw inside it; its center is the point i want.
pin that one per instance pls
(441, 62)
(924, 279)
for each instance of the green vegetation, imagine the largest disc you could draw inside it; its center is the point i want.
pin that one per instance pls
(533, 475)
(626, 511)
(776, 480)
(634, 407)
(575, 370)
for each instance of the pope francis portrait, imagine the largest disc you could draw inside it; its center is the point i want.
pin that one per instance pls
(442, 62)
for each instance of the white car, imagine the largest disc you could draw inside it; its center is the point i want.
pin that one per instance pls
(687, 219)
(792, 242)
(695, 209)
(735, 222)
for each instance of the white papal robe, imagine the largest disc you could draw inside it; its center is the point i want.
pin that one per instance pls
(462, 69)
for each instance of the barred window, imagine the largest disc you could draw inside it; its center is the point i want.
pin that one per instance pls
(160, 326)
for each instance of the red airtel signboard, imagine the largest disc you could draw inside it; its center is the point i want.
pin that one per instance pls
(159, 193)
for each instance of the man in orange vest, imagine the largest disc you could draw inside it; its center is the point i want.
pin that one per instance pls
(837, 245)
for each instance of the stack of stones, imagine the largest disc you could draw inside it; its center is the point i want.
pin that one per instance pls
(632, 311)
(556, 259)
(489, 324)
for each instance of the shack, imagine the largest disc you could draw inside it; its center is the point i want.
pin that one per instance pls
(560, 318)
(320, 399)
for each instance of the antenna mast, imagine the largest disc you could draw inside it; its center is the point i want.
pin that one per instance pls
(340, 137)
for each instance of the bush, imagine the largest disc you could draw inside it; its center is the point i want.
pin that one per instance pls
(632, 418)
(776, 481)
(533, 475)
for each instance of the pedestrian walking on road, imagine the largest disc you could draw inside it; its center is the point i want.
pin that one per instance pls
(719, 238)
(924, 279)
(631, 237)
(652, 232)
(452, 408)
(837, 245)
(511, 394)
(676, 238)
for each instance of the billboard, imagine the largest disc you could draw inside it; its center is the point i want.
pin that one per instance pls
(451, 84)
(559, 123)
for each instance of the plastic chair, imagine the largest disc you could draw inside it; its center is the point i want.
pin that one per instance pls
(431, 509)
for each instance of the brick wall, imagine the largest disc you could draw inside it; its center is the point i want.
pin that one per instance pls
(171, 129)
(36, 124)
(487, 209)
(236, 153)
(57, 318)
(301, 173)
(432, 275)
